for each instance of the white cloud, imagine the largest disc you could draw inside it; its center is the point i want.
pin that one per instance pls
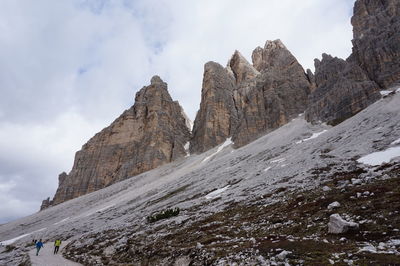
(32, 156)
(69, 68)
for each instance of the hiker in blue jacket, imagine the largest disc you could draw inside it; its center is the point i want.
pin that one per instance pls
(39, 245)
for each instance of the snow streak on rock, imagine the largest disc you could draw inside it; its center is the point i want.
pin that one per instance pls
(380, 157)
(216, 193)
(315, 135)
(225, 144)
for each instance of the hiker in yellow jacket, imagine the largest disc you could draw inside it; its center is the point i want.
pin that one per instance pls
(57, 245)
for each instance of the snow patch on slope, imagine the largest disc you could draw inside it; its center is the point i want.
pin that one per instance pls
(385, 93)
(380, 157)
(315, 135)
(10, 241)
(395, 142)
(216, 193)
(186, 147)
(63, 220)
(225, 144)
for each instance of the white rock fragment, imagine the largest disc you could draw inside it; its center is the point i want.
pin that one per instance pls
(368, 248)
(326, 188)
(381, 245)
(349, 262)
(283, 254)
(333, 205)
(394, 242)
(337, 225)
(355, 181)
(385, 92)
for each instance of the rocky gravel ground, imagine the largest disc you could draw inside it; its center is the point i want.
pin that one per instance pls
(293, 230)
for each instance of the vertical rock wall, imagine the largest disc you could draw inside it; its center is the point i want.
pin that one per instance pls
(245, 101)
(376, 40)
(151, 133)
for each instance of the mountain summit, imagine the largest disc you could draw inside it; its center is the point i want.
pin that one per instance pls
(149, 134)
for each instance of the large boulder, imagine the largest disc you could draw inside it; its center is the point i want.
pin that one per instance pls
(151, 133)
(337, 225)
(342, 90)
(376, 40)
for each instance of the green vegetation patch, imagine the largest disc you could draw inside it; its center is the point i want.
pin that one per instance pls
(168, 213)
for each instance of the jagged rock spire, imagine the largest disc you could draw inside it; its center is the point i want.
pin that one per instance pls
(241, 68)
(217, 116)
(342, 90)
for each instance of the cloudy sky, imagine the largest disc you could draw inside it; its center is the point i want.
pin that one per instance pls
(68, 68)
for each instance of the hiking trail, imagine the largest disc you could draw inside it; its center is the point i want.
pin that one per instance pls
(47, 258)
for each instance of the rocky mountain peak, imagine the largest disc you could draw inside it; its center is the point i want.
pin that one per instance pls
(342, 90)
(156, 80)
(278, 94)
(274, 55)
(241, 68)
(217, 116)
(244, 102)
(345, 87)
(274, 45)
(151, 133)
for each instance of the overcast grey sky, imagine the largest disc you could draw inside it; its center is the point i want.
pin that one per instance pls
(68, 68)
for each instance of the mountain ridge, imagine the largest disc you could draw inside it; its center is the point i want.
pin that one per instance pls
(278, 156)
(244, 101)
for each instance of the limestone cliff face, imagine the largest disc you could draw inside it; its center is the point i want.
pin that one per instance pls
(217, 116)
(376, 40)
(276, 96)
(244, 101)
(343, 89)
(241, 68)
(151, 133)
